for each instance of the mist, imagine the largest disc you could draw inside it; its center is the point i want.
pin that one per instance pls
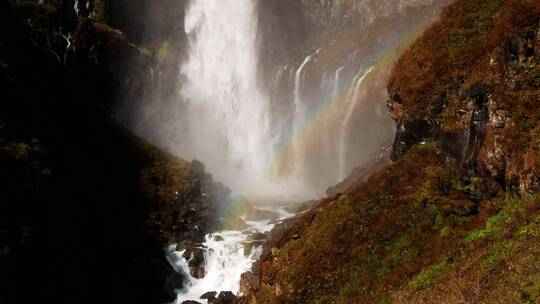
(279, 104)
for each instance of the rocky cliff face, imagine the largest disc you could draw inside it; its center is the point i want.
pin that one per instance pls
(86, 206)
(345, 13)
(455, 218)
(480, 115)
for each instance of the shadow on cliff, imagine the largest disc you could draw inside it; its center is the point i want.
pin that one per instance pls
(73, 222)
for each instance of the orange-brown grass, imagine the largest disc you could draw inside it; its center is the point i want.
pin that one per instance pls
(397, 238)
(416, 232)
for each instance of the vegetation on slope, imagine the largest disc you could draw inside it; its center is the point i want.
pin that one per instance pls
(437, 226)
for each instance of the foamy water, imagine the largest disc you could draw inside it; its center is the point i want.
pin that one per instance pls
(224, 260)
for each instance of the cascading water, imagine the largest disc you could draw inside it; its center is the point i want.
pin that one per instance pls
(231, 127)
(227, 111)
(225, 260)
(299, 111)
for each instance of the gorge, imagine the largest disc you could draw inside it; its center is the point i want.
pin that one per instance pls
(280, 151)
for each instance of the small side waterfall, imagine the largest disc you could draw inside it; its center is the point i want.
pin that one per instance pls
(298, 104)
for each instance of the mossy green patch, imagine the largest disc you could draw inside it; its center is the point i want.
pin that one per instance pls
(428, 275)
(496, 223)
(162, 52)
(445, 231)
(499, 253)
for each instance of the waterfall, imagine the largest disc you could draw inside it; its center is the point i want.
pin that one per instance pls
(335, 85)
(351, 101)
(227, 111)
(277, 77)
(298, 110)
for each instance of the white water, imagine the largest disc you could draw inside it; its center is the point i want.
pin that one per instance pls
(228, 113)
(224, 260)
(300, 109)
(335, 86)
(298, 106)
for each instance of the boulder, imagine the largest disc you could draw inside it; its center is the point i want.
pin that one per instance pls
(409, 132)
(249, 245)
(209, 295)
(190, 302)
(227, 297)
(196, 261)
(218, 238)
(248, 282)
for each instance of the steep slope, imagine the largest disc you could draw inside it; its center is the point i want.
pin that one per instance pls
(455, 219)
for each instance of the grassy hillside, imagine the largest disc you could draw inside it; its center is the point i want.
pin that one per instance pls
(456, 219)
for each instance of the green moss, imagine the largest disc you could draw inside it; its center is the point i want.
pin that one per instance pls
(162, 52)
(530, 230)
(444, 232)
(429, 145)
(498, 255)
(428, 275)
(495, 223)
(265, 294)
(534, 290)
(396, 246)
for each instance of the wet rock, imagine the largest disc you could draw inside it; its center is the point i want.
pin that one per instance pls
(253, 241)
(196, 261)
(190, 302)
(198, 166)
(249, 245)
(248, 282)
(218, 238)
(454, 144)
(409, 132)
(227, 297)
(258, 236)
(280, 229)
(173, 282)
(209, 295)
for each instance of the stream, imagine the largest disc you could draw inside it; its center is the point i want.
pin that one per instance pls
(225, 258)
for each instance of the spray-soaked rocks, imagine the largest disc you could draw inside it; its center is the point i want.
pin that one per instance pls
(224, 297)
(248, 282)
(253, 241)
(195, 257)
